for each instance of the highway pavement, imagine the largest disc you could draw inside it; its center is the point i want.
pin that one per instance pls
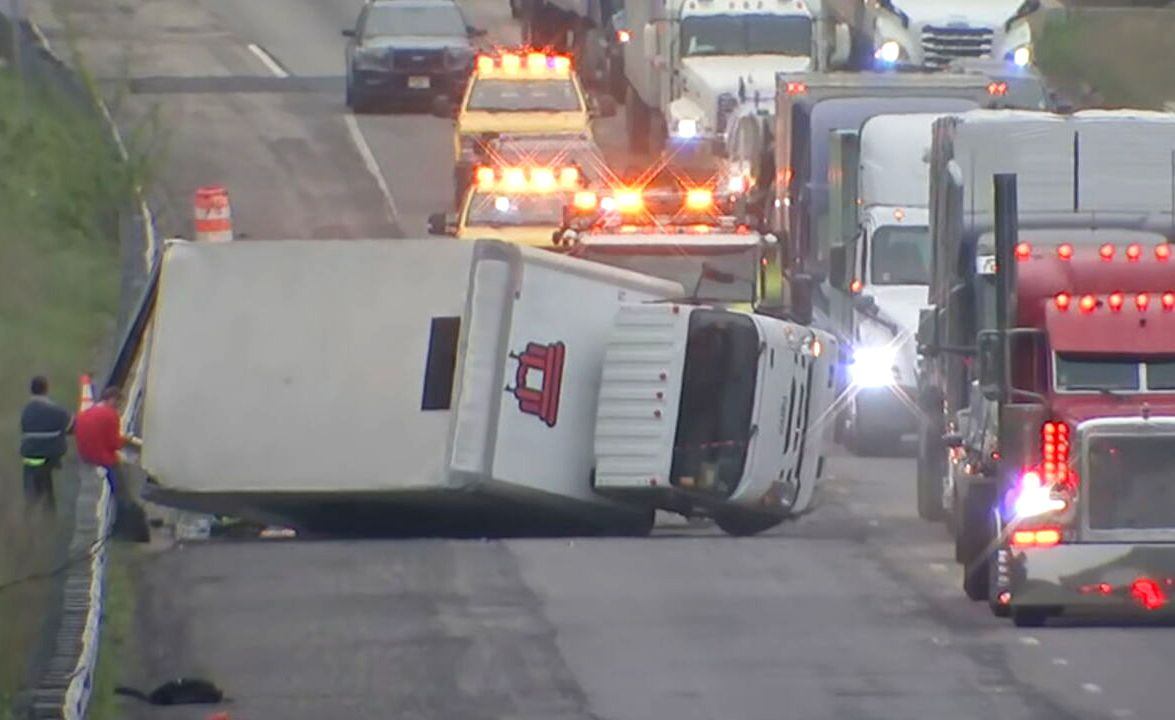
(853, 612)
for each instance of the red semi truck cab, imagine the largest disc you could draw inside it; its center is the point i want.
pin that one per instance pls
(1088, 506)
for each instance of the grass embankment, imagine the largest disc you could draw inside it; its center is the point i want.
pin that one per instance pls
(1118, 57)
(61, 185)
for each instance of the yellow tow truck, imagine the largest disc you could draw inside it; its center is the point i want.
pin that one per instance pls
(516, 204)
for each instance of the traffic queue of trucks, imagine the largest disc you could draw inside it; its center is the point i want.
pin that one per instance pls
(1044, 433)
(689, 350)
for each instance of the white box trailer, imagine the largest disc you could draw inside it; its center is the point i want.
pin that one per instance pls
(319, 384)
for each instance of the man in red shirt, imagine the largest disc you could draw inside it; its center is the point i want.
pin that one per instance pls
(99, 439)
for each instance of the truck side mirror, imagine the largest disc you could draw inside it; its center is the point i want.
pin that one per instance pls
(650, 39)
(838, 267)
(991, 364)
(803, 287)
(438, 224)
(842, 46)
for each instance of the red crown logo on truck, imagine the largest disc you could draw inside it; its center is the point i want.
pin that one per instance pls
(543, 401)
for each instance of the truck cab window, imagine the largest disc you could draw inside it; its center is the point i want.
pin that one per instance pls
(900, 256)
(717, 399)
(746, 35)
(1160, 374)
(1076, 373)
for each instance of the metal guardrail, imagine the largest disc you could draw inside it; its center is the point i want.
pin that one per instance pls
(64, 688)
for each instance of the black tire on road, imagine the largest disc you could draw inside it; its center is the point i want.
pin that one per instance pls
(932, 465)
(744, 524)
(976, 531)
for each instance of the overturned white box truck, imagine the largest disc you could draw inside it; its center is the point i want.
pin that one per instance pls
(446, 387)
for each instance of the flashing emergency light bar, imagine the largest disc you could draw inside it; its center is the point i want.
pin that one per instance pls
(528, 63)
(1115, 301)
(627, 201)
(526, 179)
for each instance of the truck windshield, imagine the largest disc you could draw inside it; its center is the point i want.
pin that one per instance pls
(754, 34)
(726, 275)
(524, 96)
(515, 210)
(717, 398)
(1077, 373)
(900, 255)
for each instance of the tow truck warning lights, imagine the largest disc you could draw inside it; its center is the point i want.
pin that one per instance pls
(513, 64)
(1114, 301)
(627, 201)
(518, 180)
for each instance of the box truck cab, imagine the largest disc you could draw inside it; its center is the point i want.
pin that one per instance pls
(756, 388)
(879, 268)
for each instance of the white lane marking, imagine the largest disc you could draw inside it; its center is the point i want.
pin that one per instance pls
(372, 166)
(267, 60)
(1092, 688)
(939, 567)
(1029, 640)
(1060, 661)
(874, 523)
(1122, 713)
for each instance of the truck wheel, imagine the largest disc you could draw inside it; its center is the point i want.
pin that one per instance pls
(864, 440)
(636, 120)
(976, 531)
(931, 467)
(744, 524)
(642, 526)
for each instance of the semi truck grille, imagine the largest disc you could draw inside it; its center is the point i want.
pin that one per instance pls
(1131, 483)
(940, 45)
(418, 60)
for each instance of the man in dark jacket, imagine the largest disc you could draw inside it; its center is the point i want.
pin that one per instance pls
(43, 427)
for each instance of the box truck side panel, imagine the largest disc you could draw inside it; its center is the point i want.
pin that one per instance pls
(301, 366)
(561, 319)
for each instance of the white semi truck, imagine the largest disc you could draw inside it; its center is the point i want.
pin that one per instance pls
(932, 33)
(439, 386)
(879, 267)
(690, 62)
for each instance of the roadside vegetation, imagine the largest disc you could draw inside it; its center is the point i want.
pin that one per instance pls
(61, 189)
(1110, 56)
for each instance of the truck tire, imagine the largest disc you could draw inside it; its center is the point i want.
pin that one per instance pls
(866, 441)
(642, 526)
(976, 531)
(931, 460)
(636, 121)
(744, 524)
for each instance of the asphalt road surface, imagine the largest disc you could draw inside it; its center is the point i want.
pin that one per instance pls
(853, 611)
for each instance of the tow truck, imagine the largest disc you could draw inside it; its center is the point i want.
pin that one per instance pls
(517, 204)
(1035, 342)
(523, 93)
(753, 451)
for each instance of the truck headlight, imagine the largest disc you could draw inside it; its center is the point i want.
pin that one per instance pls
(1021, 56)
(889, 52)
(686, 129)
(873, 367)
